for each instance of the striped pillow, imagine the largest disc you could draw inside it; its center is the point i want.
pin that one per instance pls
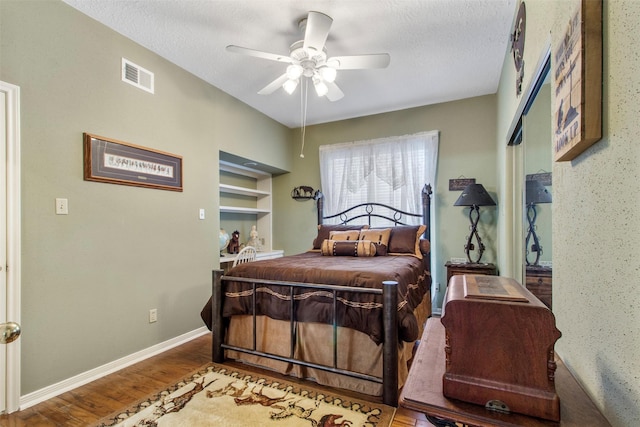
(356, 248)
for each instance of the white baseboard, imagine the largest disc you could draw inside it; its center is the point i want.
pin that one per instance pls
(86, 377)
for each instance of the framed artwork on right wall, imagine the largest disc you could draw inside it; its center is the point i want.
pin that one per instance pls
(577, 82)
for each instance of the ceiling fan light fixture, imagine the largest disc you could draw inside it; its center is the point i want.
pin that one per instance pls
(308, 62)
(321, 88)
(294, 71)
(290, 85)
(327, 73)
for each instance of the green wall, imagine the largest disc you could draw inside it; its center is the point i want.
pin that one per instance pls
(467, 148)
(596, 212)
(89, 278)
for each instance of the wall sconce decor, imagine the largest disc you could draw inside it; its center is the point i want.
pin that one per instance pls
(474, 195)
(460, 183)
(535, 193)
(303, 192)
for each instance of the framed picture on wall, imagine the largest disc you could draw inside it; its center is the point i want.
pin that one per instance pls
(577, 82)
(117, 162)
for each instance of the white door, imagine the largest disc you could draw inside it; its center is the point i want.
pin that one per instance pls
(9, 246)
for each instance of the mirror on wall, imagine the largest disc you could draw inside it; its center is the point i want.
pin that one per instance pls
(538, 199)
(533, 147)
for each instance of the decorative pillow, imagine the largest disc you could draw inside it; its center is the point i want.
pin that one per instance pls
(325, 229)
(358, 248)
(344, 235)
(405, 240)
(379, 236)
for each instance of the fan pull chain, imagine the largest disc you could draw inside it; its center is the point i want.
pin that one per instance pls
(303, 112)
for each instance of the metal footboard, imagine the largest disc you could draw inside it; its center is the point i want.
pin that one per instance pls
(389, 379)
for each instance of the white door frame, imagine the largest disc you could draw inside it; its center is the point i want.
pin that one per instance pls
(13, 242)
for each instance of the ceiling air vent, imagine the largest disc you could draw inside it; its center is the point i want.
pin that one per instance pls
(137, 76)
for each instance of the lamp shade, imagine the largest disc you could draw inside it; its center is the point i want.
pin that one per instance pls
(536, 193)
(474, 195)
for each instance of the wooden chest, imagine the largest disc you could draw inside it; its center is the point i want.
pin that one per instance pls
(499, 346)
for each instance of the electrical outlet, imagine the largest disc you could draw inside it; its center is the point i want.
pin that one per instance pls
(62, 207)
(153, 315)
(201, 213)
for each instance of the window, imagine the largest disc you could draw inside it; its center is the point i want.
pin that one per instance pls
(391, 171)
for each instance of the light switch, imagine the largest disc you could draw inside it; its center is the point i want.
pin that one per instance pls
(201, 213)
(62, 207)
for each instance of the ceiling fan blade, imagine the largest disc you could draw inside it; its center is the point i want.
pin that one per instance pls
(317, 30)
(357, 62)
(334, 93)
(259, 54)
(274, 85)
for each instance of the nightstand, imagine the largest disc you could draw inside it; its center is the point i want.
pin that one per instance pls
(454, 269)
(539, 283)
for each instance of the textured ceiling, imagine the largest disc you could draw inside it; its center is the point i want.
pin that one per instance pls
(441, 50)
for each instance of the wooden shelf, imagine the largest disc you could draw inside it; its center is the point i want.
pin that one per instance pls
(232, 189)
(236, 209)
(242, 170)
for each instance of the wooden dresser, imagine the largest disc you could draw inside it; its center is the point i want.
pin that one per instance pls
(538, 281)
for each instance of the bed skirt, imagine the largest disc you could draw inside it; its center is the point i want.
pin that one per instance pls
(356, 350)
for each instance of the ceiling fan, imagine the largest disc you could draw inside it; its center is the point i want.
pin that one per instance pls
(308, 58)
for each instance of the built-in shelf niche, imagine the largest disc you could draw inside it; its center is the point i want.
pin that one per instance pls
(245, 198)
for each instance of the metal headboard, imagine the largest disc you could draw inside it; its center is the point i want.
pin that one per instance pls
(372, 210)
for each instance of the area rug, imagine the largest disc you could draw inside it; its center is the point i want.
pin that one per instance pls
(222, 396)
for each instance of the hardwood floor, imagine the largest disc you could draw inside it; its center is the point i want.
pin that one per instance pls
(85, 405)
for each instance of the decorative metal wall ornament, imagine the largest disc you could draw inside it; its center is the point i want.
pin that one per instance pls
(303, 192)
(517, 45)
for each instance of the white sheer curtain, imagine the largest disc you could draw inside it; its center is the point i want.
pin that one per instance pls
(391, 171)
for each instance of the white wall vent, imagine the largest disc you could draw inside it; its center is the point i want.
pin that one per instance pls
(137, 76)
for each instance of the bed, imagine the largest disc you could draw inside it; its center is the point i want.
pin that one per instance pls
(326, 314)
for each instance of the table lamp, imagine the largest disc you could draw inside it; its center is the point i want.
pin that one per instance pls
(474, 195)
(535, 193)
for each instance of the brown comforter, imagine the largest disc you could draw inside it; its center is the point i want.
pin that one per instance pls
(362, 312)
